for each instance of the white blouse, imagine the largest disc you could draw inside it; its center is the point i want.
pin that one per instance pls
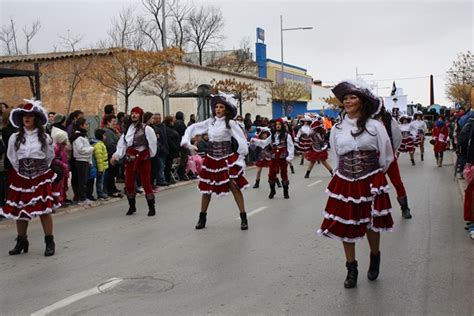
(122, 145)
(290, 147)
(408, 127)
(217, 130)
(30, 149)
(342, 142)
(305, 130)
(419, 124)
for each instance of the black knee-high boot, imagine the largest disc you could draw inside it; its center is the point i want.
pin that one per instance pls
(403, 201)
(50, 245)
(286, 193)
(202, 221)
(151, 207)
(272, 190)
(131, 206)
(243, 221)
(21, 245)
(278, 183)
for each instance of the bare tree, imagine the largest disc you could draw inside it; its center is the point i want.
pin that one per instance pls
(152, 28)
(288, 93)
(8, 36)
(180, 26)
(205, 26)
(125, 32)
(77, 67)
(460, 80)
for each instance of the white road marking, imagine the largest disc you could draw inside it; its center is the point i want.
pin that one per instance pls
(107, 285)
(258, 210)
(314, 183)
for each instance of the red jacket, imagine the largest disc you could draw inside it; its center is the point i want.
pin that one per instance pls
(440, 136)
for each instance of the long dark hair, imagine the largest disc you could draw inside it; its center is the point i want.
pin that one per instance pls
(20, 139)
(365, 115)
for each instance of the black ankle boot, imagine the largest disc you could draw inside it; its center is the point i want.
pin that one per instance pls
(21, 245)
(151, 207)
(302, 161)
(257, 184)
(292, 169)
(131, 206)
(286, 194)
(422, 157)
(403, 201)
(50, 245)
(374, 266)
(412, 162)
(243, 221)
(202, 221)
(272, 191)
(278, 183)
(307, 174)
(352, 273)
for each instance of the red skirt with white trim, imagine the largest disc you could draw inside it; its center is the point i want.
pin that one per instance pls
(312, 155)
(407, 145)
(419, 139)
(263, 163)
(216, 174)
(27, 198)
(304, 144)
(354, 206)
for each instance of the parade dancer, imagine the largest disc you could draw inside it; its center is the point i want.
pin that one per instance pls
(408, 137)
(420, 127)
(318, 150)
(283, 151)
(264, 155)
(223, 169)
(358, 202)
(440, 139)
(32, 191)
(303, 140)
(393, 172)
(137, 146)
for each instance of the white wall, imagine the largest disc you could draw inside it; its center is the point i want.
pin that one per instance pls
(200, 75)
(318, 93)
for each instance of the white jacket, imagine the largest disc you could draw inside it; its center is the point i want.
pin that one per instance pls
(82, 149)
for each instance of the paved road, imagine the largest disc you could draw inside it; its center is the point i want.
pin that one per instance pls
(278, 267)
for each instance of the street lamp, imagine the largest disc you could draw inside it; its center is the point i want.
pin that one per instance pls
(288, 29)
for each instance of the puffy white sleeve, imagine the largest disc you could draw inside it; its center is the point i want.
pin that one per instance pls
(262, 143)
(239, 136)
(12, 153)
(193, 130)
(396, 135)
(298, 134)
(385, 147)
(334, 156)
(413, 130)
(49, 150)
(121, 148)
(290, 147)
(152, 141)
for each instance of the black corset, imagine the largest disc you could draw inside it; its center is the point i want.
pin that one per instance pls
(356, 164)
(30, 167)
(219, 149)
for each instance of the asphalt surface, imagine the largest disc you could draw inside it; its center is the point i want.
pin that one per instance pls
(278, 267)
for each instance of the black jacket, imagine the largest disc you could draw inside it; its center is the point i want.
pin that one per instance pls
(163, 147)
(174, 140)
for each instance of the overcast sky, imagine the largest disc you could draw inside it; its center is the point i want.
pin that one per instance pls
(390, 39)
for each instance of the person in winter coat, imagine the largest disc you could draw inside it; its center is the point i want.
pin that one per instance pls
(173, 145)
(440, 139)
(102, 162)
(163, 151)
(111, 139)
(61, 160)
(82, 152)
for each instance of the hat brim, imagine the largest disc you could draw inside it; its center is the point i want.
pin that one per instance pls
(16, 116)
(345, 88)
(218, 99)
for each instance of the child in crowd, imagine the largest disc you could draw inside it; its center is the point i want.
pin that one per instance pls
(92, 176)
(101, 159)
(61, 160)
(82, 153)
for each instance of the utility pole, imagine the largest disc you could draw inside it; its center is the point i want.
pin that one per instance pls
(163, 39)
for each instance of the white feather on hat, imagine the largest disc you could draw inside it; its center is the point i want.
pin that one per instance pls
(31, 106)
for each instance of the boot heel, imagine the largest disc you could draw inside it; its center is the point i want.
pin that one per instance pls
(21, 245)
(352, 274)
(202, 221)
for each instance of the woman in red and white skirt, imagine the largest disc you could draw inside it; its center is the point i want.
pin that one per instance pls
(318, 150)
(408, 137)
(222, 168)
(264, 155)
(358, 202)
(303, 137)
(420, 127)
(31, 192)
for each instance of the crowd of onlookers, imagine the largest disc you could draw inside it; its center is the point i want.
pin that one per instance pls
(76, 144)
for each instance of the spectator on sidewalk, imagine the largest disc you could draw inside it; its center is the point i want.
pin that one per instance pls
(192, 119)
(108, 110)
(7, 131)
(102, 162)
(180, 127)
(163, 151)
(110, 141)
(82, 153)
(61, 160)
(71, 120)
(174, 147)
